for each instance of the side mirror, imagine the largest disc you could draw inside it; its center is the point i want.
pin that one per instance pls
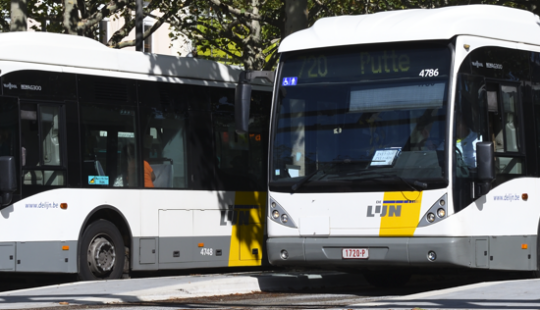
(242, 103)
(242, 100)
(8, 180)
(485, 166)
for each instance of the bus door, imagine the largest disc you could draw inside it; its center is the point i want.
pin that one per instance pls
(491, 111)
(505, 130)
(9, 135)
(42, 146)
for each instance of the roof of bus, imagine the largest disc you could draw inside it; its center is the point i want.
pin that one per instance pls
(81, 52)
(418, 24)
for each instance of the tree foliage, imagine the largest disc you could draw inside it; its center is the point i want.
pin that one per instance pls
(244, 32)
(248, 32)
(82, 17)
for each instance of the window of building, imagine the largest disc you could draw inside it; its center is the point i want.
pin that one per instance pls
(147, 45)
(104, 31)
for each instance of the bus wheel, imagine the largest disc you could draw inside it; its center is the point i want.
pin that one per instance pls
(101, 255)
(387, 279)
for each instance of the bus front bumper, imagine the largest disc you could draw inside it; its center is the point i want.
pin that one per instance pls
(399, 252)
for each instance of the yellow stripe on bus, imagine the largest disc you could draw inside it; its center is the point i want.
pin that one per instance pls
(248, 229)
(402, 214)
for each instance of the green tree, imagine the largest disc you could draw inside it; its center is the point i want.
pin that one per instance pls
(248, 32)
(244, 32)
(82, 17)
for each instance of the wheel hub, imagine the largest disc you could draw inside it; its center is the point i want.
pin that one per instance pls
(101, 256)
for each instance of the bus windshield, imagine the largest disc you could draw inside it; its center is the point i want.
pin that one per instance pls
(361, 119)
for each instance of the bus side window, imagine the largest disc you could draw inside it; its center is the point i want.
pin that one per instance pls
(239, 161)
(163, 127)
(164, 147)
(50, 139)
(504, 125)
(109, 146)
(42, 145)
(30, 135)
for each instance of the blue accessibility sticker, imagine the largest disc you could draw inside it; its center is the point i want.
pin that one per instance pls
(289, 81)
(98, 180)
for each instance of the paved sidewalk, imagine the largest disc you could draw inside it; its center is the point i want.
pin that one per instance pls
(511, 294)
(163, 288)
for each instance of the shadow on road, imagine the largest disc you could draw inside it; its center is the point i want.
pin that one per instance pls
(355, 291)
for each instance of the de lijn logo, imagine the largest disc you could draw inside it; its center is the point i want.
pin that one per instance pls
(388, 208)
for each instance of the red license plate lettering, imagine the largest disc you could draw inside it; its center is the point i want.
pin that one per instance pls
(352, 253)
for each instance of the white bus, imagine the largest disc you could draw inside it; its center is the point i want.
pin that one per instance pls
(408, 139)
(116, 161)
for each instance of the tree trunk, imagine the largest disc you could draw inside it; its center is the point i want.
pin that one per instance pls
(71, 16)
(295, 16)
(19, 14)
(255, 57)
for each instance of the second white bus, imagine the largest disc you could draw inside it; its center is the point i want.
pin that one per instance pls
(115, 161)
(408, 139)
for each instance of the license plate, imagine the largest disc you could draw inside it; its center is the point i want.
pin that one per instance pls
(355, 253)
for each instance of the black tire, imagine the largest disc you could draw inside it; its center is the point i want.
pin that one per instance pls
(101, 252)
(387, 279)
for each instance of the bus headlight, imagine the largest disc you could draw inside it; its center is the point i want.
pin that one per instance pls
(441, 213)
(437, 212)
(279, 215)
(431, 256)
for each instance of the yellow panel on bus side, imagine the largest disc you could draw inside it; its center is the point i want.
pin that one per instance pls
(251, 247)
(248, 229)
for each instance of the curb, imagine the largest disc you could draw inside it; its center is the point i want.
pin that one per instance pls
(166, 288)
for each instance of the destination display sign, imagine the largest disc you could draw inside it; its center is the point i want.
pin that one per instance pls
(364, 64)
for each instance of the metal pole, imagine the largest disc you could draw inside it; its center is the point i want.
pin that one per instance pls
(139, 26)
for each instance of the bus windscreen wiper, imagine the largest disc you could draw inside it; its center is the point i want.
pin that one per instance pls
(308, 177)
